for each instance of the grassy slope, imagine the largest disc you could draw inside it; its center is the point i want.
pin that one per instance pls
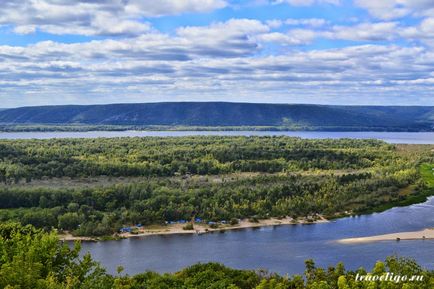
(427, 172)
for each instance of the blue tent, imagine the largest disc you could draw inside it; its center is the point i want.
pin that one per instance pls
(125, 230)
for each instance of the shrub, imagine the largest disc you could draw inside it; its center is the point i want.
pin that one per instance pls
(234, 221)
(254, 220)
(188, 226)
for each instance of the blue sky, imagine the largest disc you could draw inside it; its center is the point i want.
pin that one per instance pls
(280, 51)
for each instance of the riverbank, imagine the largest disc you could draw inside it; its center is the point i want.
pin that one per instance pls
(66, 236)
(198, 228)
(417, 235)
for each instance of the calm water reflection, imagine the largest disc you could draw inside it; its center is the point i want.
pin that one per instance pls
(391, 137)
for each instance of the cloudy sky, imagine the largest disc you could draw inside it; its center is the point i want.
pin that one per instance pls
(285, 51)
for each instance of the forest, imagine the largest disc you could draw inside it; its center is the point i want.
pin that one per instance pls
(33, 258)
(227, 114)
(93, 187)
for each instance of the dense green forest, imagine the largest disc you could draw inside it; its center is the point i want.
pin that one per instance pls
(223, 114)
(32, 258)
(93, 187)
(163, 157)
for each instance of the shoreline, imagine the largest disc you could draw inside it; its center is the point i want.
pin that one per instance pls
(199, 229)
(176, 229)
(426, 234)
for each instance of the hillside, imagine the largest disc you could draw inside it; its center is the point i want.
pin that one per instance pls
(292, 116)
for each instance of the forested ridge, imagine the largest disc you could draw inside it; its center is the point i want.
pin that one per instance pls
(209, 114)
(32, 258)
(155, 180)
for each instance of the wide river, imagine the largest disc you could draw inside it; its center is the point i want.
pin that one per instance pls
(281, 249)
(391, 137)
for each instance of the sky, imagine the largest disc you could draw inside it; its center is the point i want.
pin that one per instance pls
(359, 52)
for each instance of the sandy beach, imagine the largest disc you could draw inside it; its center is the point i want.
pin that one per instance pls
(69, 237)
(199, 228)
(417, 235)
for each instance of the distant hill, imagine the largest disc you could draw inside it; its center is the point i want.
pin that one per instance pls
(291, 116)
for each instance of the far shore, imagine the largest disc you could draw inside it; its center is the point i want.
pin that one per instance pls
(199, 228)
(416, 235)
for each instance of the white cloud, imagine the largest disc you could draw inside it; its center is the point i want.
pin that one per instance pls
(243, 58)
(313, 22)
(381, 31)
(307, 2)
(233, 37)
(424, 31)
(94, 17)
(172, 7)
(390, 9)
(25, 29)
(292, 37)
(160, 67)
(230, 28)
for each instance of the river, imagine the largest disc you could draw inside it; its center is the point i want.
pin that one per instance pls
(390, 137)
(282, 249)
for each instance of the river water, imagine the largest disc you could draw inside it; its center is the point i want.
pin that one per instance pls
(391, 137)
